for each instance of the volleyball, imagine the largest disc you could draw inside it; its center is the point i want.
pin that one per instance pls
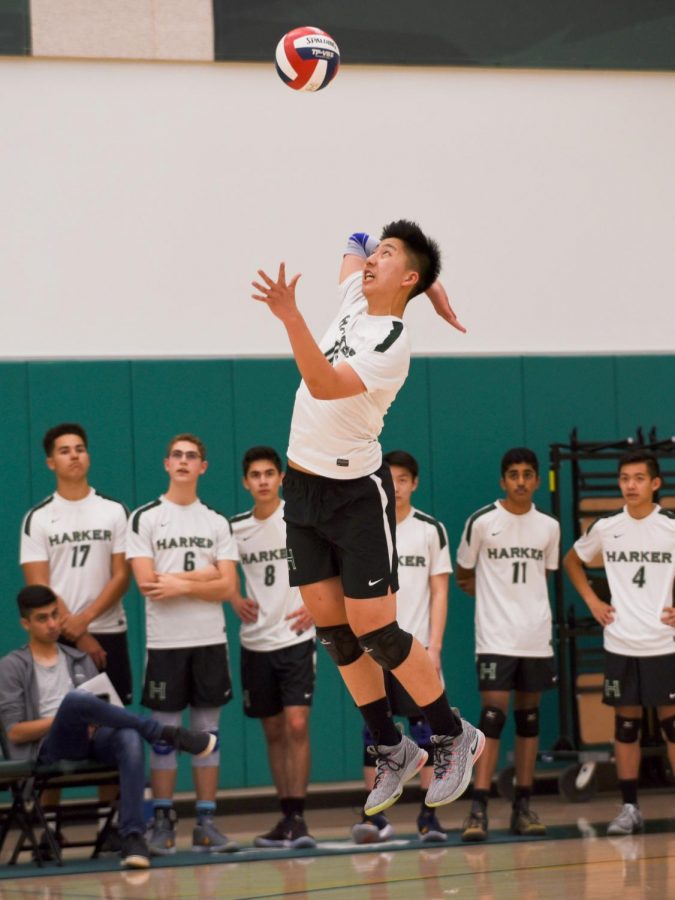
(307, 59)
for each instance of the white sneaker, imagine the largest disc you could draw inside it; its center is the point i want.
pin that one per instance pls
(453, 761)
(628, 821)
(395, 765)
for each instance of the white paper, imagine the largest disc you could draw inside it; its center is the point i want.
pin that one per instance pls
(101, 685)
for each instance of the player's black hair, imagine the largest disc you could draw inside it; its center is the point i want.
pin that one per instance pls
(641, 456)
(519, 455)
(35, 596)
(253, 454)
(403, 460)
(423, 251)
(58, 431)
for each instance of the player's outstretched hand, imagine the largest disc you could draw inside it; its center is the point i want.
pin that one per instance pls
(668, 616)
(441, 303)
(278, 295)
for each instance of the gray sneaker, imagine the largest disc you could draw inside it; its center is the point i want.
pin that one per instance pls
(453, 760)
(628, 821)
(207, 839)
(395, 765)
(162, 838)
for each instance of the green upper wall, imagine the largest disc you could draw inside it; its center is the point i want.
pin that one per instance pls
(456, 415)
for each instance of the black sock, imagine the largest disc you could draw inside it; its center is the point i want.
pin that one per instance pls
(522, 795)
(285, 807)
(441, 717)
(378, 718)
(480, 797)
(629, 789)
(295, 806)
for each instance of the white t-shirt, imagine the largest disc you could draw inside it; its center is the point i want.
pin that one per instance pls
(639, 558)
(511, 554)
(422, 548)
(338, 438)
(181, 539)
(78, 538)
(262, 553)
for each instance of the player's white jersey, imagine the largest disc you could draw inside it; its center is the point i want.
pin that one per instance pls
(422, 548)
(78, 538)
(639, 559)
(181, 539)
(338, 438)
(511, 554)
(262, 553)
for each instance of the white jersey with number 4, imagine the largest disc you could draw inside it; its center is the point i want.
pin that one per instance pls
(339, 438)
(262, 553)
(181, 539)
(639, 559)
(422, 548)
(511, 554)
(78, 538)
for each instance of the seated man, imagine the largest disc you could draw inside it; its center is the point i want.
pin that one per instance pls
(46, 720)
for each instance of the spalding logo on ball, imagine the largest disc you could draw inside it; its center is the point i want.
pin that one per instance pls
(307, 59)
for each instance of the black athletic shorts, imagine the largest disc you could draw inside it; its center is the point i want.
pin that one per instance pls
(187, 676)
(118, 666)
(342, 527)
(275, 679)
(638, 680)
(530, 674)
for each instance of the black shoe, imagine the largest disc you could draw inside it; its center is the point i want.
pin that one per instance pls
(526, 822)
(198, 743)
(275, 837)
(476, 825)
(297, 835)
(135, 853)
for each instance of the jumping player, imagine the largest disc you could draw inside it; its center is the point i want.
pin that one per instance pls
(278, 648)
(183, 557)
(507, 550)
(638, 552)
(424, 572)
(340, 506)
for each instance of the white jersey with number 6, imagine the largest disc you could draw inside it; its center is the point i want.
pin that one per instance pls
(639, 558)
(181, 539)
(511, 554)
(262, 553)
(77, 538)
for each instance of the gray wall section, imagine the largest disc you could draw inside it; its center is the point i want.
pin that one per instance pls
(580, 34)
(457, 415)
(15, 28)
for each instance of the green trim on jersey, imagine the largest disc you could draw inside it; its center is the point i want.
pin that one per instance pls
(139, 513)
(240, 517)
(607, 515)
(423, 517)
(394, 334)
(127, 513)
(218, 513)
(669, 513)
(26, 527)
(477, 515)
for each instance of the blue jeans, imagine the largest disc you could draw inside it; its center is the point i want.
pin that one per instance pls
(117, 741)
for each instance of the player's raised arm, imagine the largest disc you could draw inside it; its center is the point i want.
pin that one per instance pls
(359, 247)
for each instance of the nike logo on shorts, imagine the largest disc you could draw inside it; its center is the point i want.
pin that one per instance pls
(377, 581)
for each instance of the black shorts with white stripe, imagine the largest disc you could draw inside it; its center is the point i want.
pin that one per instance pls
(342, 527)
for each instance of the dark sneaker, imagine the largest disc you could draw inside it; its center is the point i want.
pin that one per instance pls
(112, 842)
(476, 825)
(429, 828)
(197, 743)
(275, 837)
(526, 822)
(206, 838)
(298, 837)
(372, 829)
(453, 761)
(628, 821)
(395, 765)
(162, 840)
(135, 852)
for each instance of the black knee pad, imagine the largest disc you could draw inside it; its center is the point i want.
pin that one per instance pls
(340, 642)
(668, 728)
(492, 721)
(527, 722)
(388, 646)
(627, 731)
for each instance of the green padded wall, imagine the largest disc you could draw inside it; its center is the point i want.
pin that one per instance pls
(456, 415)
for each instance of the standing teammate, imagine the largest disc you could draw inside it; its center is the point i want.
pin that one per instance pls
(638, 551)
(339, 512)
(424, 571)
(183, 557)
(507, 550)
(74, 542)
(277, 646)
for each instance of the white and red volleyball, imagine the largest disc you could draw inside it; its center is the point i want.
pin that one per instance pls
(307, 59)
